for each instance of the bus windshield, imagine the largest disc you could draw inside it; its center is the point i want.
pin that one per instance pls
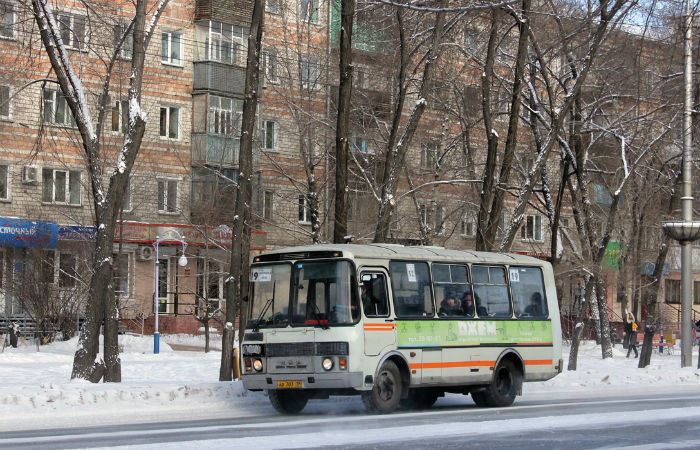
(324, 294)
(270, 295)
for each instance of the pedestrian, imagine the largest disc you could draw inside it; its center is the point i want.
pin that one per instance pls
(631, 330)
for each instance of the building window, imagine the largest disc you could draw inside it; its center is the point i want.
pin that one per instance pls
(210, 285)
(167, 196)
(72, 30)
(121, 274)
(4, 182)
(170, 122)
(269, 135)
(126, 50)
(272, 6)
(5, 101)
(224, 43)
(58, 267)
(9, 16)
(56, 110)
(309, 10)
(309, 73)
(267, 205)
(358, 144)
(673, 291)
(696, 292)
(304, 210)
(60, 186)
(221, 115)
(468, 228)
(531, 230)
(213, 187)
(171, 48)
(120, 115)
(271, 66)
(427, 156)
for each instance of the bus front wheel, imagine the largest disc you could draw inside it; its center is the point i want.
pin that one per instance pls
(287, 402)
(386, 392)
(506, 383)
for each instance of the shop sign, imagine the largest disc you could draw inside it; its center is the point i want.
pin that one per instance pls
(28, 233)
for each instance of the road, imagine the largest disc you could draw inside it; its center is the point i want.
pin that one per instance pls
(639, 421)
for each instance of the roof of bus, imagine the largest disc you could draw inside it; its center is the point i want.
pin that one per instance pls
(396, 251)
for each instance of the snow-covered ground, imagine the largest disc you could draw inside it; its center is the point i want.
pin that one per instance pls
(36, 390)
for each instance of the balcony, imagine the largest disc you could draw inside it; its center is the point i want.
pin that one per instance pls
(214, 76)
(214, 149)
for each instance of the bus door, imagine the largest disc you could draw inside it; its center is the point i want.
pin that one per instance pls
(379, 327)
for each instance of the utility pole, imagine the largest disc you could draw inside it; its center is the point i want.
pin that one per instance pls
(686, 231)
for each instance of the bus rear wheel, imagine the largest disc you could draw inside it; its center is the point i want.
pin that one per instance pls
(386, 393)
(287, 402)
(506, 383)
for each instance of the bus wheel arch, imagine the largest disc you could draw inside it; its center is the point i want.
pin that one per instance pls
(390, 385)
(517, 360)
(506, 383)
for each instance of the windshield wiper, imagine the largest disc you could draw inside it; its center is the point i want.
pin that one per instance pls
(319, 316)
(264, 310)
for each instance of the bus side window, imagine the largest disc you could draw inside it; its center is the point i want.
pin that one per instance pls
(374, 297)
(410, 283)
(527, 287)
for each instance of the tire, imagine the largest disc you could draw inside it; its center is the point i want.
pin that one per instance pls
(287, 402)
(507, 382)
(420, 399)
(386, 393)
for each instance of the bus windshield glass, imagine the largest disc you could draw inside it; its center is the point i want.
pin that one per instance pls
(324, 294)
(269, 305)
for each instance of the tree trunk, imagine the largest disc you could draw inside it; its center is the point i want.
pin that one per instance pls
(340, 227)
(496, 206)
(237, 284)
(580, 324)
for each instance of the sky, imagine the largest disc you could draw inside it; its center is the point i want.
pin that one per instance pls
(36, 388)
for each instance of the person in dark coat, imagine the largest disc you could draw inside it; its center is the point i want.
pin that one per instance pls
(631, 334)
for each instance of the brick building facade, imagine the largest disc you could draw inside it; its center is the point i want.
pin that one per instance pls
(184, 177)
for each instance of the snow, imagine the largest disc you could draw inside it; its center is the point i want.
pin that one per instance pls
(177, 384)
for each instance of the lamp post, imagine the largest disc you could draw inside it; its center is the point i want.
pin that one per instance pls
(182, 261)
(686, 231)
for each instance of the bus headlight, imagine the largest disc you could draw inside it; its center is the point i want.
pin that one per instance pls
(327, 364)
(258, 365)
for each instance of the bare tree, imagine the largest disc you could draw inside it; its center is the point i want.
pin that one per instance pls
(237, 283)
(341, 138)
(107, 198)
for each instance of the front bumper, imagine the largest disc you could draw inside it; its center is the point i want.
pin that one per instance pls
(331, 380)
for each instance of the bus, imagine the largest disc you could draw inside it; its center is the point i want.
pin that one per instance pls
(400, 326)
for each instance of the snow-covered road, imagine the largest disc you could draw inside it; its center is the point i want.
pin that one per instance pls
(181, 386)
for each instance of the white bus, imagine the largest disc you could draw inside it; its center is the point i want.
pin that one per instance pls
(398, 325)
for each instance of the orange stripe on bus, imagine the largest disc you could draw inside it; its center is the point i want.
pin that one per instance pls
(453, 364)
(538, 362)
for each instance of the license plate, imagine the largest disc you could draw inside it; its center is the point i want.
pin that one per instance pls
(290, 384)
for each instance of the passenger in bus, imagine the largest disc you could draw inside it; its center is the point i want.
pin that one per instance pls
(468, 304)
(450, 307)
(535, 306)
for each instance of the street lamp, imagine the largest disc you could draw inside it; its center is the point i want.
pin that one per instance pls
(686, 231)
(182, 261)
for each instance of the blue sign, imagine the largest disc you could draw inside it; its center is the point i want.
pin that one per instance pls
(28, 233)
(76, 233)
(648, 269)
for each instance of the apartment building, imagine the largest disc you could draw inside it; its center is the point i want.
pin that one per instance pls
(182, 189)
